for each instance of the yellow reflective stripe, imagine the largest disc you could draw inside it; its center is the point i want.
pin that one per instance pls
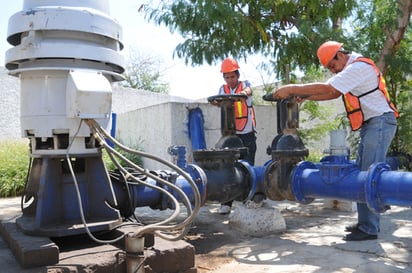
(239, 109)
(348, 105)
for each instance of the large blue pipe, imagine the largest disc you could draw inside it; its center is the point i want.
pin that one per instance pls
(214, 185)
(336, 177)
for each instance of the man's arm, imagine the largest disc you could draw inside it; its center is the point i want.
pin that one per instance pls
(311, 91)
(247, 91)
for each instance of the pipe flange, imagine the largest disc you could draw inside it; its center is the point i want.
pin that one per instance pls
(271, 182)
(371, 191)
(200, 179)
(297, 180)
(253, 178)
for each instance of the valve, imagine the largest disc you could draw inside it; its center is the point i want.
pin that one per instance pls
(287, 149)
(229, 139)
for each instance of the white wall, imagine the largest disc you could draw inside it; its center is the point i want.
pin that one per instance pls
(157, 127)
(10, 106)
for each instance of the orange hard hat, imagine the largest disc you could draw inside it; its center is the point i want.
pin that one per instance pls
(229, 65)
(327, 51)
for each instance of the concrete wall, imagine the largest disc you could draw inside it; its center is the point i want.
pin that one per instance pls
(9, 106)
(155, 128)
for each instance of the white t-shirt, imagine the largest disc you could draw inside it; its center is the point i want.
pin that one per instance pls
(359, 78)
(249, 125)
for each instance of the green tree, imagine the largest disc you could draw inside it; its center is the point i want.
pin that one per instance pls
(288, 33)
(279, 29)
(381, 30)
(315, 112)
(143, 72)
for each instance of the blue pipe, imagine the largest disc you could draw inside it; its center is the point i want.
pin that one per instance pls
(113, 129)
(211, 183)
(180, 153)
(141, 195)
(394, 188)
(145, 195)
(207, 182)
(196, 130)
(336, 177)
(257, 173)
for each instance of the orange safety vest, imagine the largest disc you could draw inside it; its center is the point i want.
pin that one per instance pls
(241, 109)
(352, 102)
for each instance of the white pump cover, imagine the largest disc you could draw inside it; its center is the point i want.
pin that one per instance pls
(67, 55)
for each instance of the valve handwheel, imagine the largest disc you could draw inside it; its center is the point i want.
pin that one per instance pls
(230, 97)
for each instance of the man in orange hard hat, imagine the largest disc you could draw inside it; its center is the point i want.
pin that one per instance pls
(369, 109)
(244, 112)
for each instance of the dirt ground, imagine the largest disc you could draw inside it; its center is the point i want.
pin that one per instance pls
(215, 240)
(217, 243)
(312, 242)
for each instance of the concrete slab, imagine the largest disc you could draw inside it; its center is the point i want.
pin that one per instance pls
(80, 254)
(30, 251)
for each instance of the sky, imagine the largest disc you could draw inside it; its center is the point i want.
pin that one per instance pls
(146, 38)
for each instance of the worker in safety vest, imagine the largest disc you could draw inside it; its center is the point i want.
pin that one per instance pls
(244, 113)
(369, 109)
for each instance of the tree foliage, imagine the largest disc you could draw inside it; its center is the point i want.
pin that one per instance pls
(288, 33)
(280, 29)
(381, 31)
(143, 72)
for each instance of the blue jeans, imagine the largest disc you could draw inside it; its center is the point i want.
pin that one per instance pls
(376, 136)
(249, 141)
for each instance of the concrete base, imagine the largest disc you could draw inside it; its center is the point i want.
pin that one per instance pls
(79, 254)
(257, 220)
(29, 251)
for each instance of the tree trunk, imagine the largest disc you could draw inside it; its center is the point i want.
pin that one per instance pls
(394, 37)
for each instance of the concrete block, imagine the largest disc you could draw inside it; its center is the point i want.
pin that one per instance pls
(33, 251)
(30, 251)
(257, 221)
(170, 256)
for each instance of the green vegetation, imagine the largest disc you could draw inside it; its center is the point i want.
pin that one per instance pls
(14, 162)
(132, 157)
(314, 156)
